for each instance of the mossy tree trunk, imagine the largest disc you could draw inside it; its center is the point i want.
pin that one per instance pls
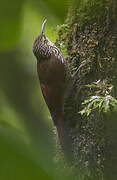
(89, 36)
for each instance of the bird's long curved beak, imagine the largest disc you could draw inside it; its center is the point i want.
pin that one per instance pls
(43, 26)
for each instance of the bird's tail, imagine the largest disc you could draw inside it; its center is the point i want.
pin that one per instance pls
(63, 135)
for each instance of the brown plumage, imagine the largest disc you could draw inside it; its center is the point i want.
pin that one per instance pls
(51, 70)
(52, 79)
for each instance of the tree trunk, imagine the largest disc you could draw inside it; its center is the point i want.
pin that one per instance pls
(89, 37)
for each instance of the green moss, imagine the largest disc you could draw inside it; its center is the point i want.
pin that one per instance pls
(89, 40)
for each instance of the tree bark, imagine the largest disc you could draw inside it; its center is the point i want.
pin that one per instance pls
(89, 36)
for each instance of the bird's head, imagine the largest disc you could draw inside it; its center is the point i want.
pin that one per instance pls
(40, 45)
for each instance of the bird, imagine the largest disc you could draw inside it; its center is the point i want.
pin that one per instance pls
(51, 69)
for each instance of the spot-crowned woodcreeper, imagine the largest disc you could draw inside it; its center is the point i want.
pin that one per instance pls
(51, 68)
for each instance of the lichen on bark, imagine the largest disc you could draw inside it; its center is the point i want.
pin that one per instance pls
(89, 39)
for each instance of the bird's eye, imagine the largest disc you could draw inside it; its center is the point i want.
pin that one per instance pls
(45, 41)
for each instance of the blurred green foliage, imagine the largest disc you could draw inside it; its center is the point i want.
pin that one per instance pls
(16, 160)
(9, 22)
(26, 138)
(12, 15)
